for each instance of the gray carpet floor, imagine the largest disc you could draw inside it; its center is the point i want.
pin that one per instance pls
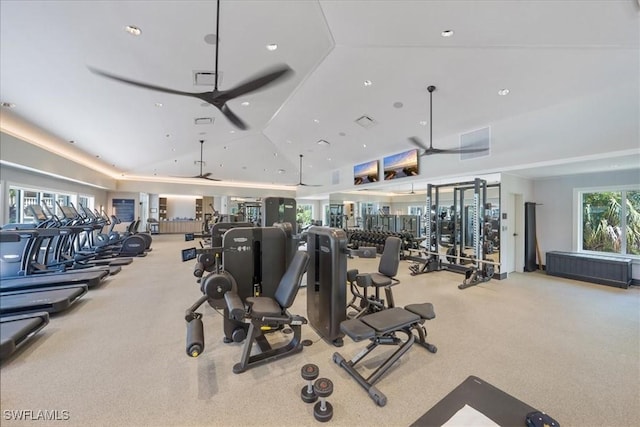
(569, 348)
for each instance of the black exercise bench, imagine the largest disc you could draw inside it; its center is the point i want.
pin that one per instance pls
(381, 328)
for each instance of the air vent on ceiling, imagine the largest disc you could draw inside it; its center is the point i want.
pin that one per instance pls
(204, 121)
(366, 122)
(323, 143)
(206, 78)
(335, 177)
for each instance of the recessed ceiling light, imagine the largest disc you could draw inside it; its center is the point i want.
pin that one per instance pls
(8, 105)
(72, 142)
(364, 145)
(133, 30)
(447, 33)
(342, 134)
(503, 92)
(316, 121)
(368, 82)
(224, 148)
(221, 165)
(275, 154)
(158, 104)
(272, 46)
(281, 171)
(398, 104)
(289, 141)
(173, 149)
(245, 103)
(232, 131)
(329, 158)
(97, 156)
(423, 122)
(168, 135)
(244, 167)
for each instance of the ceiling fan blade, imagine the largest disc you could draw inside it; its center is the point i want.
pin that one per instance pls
(415, 141)
(206, 176)
(143, 85)
(261, 81)
(237, 121)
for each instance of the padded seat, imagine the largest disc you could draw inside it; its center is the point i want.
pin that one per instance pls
(357, 330)
(263, 306)
(380, 280)
(424, 310)
(390, 319)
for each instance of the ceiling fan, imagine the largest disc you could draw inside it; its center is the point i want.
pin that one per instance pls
(408, 192)
(300, 182)
(430, 150)
(201, 161)
(217, 98)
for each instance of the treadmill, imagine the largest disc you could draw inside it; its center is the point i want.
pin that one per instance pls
(50, 300)
(14, 250)
(15, 331)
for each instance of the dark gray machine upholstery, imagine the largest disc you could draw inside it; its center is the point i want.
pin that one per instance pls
(381, 328)
(270, 313)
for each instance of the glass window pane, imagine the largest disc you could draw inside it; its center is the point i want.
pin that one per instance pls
(633, 222)
(601, 230)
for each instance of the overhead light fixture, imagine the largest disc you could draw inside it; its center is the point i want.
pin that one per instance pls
(232, 131)
(503, 92)
(271, 47)
(245, 103)
(72, 142)
(364, 145)
(133, 30)
(8, 105)
(423, 122)
(398, 104)
(447, 33)
(281, 171)
(323, 142)
(368, 82)
(316, 121)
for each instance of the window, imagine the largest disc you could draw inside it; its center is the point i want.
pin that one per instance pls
(610, 221)
(21, 198)
(304, 215)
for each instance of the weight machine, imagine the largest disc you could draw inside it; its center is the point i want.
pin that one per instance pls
(468, 231)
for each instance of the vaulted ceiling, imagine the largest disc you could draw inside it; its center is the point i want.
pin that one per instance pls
(571, 68)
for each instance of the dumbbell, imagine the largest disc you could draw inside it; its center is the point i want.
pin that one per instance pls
(323, 411)
(309, 373)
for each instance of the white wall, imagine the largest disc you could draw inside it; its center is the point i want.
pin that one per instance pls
(555, 215)
(181, 207)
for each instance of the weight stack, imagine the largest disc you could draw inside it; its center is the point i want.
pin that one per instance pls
(327, 282)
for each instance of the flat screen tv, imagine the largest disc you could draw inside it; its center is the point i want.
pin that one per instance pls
(401, 165)
(365, 173)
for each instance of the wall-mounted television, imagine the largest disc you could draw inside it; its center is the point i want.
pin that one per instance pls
(401, 165)
(365, 173)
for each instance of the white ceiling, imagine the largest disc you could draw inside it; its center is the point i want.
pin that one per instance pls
(572, 68)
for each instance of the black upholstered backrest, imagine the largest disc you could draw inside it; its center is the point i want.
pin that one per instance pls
(290, 282)
(390, 259)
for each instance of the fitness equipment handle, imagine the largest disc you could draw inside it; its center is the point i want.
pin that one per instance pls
(195, 338)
